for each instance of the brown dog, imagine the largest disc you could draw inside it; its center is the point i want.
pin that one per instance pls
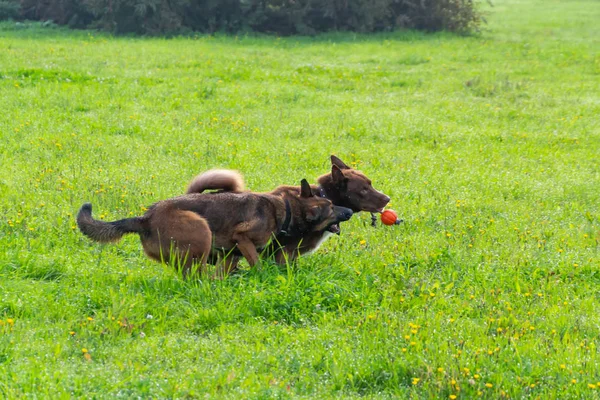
(191, 228)
(344, 186)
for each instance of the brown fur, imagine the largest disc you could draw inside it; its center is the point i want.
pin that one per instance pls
(191, 228)
(344, 186)
(217, 179)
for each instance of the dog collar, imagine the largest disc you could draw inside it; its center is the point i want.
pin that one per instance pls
(321, 192)
(288, 218)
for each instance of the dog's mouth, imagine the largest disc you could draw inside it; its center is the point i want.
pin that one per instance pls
(334, 228)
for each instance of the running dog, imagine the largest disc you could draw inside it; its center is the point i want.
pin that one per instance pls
(344, 186)
(197, 228)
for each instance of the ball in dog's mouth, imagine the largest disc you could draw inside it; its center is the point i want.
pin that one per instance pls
(334, 228)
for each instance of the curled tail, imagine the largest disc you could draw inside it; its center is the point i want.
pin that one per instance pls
(101, 231)
(225, 180)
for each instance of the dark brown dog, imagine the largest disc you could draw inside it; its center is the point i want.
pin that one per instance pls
(191, 228)
(344, 186)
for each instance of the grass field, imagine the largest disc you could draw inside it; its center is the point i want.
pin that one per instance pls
(488, 145)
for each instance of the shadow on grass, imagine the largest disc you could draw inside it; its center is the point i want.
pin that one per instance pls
(33, 268)
(41, 30)
(267, 293)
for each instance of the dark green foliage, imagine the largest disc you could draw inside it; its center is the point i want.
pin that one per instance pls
(74, 13)
(451, 15)
(8, 9)
(284, 17)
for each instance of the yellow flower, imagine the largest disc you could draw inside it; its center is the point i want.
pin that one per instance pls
(84, 350)
(440, 369)
(452, 396)
(488, 385)
(592, 385)
(90, 318)
(363, 242)
(415, 381)
(573, 381)
(563, 366)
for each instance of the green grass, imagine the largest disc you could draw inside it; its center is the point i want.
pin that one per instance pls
(488, 146)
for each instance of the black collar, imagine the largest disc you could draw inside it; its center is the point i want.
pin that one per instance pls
(288, 218)
(321, 192)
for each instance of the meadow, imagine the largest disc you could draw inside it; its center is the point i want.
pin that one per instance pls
(487, 144)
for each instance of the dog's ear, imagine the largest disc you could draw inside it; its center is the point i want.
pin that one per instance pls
(305, 190)
(339, 163)
(338, 175)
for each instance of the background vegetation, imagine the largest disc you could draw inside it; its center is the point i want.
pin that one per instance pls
(488, 146)
(283, 17)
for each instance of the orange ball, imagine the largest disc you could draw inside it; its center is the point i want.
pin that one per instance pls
(389, 217)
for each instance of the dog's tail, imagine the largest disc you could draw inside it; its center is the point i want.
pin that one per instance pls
(225, 180)
(104, 232)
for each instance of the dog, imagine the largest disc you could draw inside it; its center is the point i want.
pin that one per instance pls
(344, 186)
(197, 228)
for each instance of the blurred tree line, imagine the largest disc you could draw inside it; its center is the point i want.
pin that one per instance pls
(283, 17)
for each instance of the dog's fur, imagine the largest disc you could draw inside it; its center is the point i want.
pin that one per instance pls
(224, 180)
(195, 227)
(344, 186)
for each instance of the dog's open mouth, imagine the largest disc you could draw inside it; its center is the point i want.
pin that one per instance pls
(334, 228)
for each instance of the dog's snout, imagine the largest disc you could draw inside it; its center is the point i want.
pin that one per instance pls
(344, 213)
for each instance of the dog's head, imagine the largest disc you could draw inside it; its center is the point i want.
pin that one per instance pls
(319, 213)
(350, 188)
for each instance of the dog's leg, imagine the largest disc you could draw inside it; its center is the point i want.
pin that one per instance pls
(247, 248)
(181, 237)
(232, 263)
(226, 265)
(288, 253)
